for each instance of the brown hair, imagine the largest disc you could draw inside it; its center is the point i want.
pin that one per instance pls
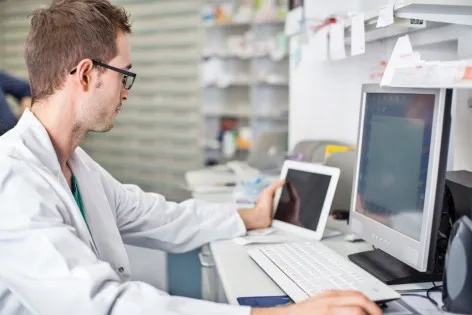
(67, 32)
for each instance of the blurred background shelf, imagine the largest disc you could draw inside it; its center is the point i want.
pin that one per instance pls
(244, 73)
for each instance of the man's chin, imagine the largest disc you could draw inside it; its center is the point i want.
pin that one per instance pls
(103, 129)
(108, 128)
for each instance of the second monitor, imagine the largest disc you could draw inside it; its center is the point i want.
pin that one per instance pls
(399, 181)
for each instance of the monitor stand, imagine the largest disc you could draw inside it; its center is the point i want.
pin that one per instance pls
(390, 270)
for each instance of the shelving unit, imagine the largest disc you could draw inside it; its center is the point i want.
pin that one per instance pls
(436, 13)
(249, 81)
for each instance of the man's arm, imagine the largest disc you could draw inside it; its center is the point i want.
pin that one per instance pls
(47, 269)
(149, 220)
(328, 303)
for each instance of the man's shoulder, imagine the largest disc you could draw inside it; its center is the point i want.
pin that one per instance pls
(15, 158)
(27, 194)
(19, 156)
(10, 143)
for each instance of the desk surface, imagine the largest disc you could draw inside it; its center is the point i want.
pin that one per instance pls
(240, 276)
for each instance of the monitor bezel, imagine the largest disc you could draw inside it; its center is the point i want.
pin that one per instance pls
(404, 248)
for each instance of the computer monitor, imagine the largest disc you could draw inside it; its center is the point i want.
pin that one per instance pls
(399, 180)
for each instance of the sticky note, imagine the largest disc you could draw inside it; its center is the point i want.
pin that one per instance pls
(386, 16)
(317, 48)
(337, 49)
(358, 34)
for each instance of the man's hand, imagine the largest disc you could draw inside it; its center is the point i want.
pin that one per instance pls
(260, 216)
(329, 303)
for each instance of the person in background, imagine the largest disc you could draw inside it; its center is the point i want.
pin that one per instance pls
(64, 219)
(20, 90)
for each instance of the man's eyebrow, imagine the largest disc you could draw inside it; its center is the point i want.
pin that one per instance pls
(129, 66)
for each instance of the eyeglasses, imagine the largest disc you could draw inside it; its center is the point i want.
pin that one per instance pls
(128, 77)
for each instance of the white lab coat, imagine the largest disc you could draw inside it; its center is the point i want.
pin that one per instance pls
(50, 264)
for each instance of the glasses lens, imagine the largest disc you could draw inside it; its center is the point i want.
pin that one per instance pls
(128, 82)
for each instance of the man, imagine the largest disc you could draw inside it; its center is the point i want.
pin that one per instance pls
(17, 88)
(64, 219)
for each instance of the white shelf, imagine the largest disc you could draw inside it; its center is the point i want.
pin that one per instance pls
(248, 83)
(240, 112)
(234, 113)
(436, 13)
(443, 11)
(229, 85)
(235, 55)
(246, 115)
(272, 83)
(226, 55)
(264, 116)
(245, 23)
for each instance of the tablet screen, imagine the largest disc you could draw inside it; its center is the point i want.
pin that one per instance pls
(302, 198)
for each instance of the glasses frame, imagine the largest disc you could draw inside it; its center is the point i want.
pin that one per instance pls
(126, 74)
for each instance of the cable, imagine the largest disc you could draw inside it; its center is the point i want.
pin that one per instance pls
(428, 295)
(434, 288)
(423, 297)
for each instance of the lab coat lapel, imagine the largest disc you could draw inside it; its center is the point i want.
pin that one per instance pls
(37, 139)
(100, 217)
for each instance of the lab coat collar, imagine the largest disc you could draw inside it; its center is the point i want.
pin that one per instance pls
(33, 131)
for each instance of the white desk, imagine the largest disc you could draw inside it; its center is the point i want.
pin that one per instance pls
(228, 272)
(240, 276)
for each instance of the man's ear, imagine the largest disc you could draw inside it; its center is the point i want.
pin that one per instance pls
(84, 73)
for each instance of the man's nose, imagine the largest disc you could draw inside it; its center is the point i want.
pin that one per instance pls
(124, 94)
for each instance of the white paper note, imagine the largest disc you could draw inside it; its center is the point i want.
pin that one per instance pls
(386, 15)
(402, 48)
(337, 49)
(317, 49)
(358, 34)
(430, 75)
(293, 21)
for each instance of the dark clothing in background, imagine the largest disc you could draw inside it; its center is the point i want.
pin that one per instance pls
(18, 89)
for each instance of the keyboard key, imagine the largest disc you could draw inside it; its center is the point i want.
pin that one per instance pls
(313, 268)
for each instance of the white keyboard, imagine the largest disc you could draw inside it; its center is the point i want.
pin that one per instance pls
(303, 270)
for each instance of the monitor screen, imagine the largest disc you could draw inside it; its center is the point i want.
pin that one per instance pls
(302, 198)
(393, 165)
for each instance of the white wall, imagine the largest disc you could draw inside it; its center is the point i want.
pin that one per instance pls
(462, 127)
(315, 94)
(325, 96)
